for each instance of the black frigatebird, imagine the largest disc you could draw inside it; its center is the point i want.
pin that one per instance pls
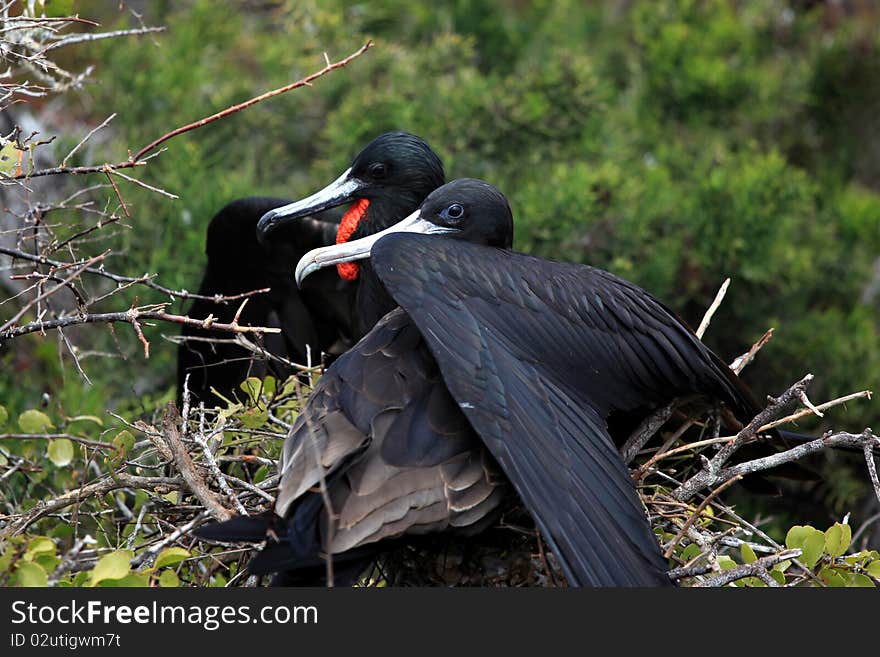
(497, 368)
(252, 243)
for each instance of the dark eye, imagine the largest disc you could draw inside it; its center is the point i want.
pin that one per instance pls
(454, 212)
(378, 170)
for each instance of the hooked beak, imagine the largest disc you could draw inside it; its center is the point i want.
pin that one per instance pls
(341, 190)
(360, 249)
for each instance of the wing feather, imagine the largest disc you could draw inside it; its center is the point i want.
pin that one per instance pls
(538, 354)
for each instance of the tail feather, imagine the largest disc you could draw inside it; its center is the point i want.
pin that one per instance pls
(238, 529)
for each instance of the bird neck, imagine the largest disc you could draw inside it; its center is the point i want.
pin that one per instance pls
(367, 217)
(372, 301)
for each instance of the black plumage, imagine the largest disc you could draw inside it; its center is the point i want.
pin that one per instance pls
(522, 361)
(252, 244)
(318, 315)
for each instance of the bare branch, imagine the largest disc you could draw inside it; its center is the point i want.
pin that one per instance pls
(749, 569)
(87, 37)
(710, 474)
(307, 81)
(707, 318)
(194, 481)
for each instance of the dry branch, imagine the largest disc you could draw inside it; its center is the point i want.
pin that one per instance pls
(105, 485)
(187, 468)
(754, 569)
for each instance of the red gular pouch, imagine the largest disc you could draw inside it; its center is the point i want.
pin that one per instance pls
(350, 220)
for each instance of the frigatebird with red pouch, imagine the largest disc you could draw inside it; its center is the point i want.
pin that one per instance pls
(495, 376)
(388, 179)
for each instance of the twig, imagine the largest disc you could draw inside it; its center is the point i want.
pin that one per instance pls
(147, 556)
(711, 472)
(101, 487)
(307, 81)
(742, 361)
(199, 438)
(749, 569)
(187, 468)
(137, 160)
(645, 431)
(116, 189)
(821, 407)
(139, 280)
(87, 36)
(868, 449)
(696, 514)
(86, 138)
(866, 441)
(707, 318)
(131, 316)
(68, 561)
(141, 183)
(45, 295)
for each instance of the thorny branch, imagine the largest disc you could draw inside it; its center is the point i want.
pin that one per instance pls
(28, 41)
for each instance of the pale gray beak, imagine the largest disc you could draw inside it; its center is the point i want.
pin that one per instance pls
(360, 249)
(341, 190)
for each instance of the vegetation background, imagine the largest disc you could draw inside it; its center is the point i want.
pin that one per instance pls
(673, 142)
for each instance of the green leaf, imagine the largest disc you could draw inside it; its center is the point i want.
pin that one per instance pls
(62, 530)
(30, 574)
(10, 157)
(691, 551)
(132, 580)
(726, 562)
(34, 421)
(169, 579)
(48, 562)
(832, 577)
(252, 386)
(254, 418)
(261, 473)
(60, 451)
(123, 442)
(860, 581)
(796, 535)
(837, 539)
(810, 541)
(290, 386)
(748, 554)
(812, 548)
(115, 565)
(4, 415)
(779, 576)
(873, 569)
(39, 545)
(56, 8)
(171, 556)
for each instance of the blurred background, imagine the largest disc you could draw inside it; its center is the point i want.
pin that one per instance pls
(673, 142)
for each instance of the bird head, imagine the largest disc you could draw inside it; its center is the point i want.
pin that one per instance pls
(465, 209)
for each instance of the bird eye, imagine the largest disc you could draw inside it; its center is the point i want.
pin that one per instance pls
(378, 170)
(454, 212)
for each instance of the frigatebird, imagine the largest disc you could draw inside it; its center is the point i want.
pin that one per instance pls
(496, 374)
(388, 179)
(237, 264)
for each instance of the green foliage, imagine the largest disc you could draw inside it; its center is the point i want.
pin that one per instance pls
(828, 556)
(117, 531)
